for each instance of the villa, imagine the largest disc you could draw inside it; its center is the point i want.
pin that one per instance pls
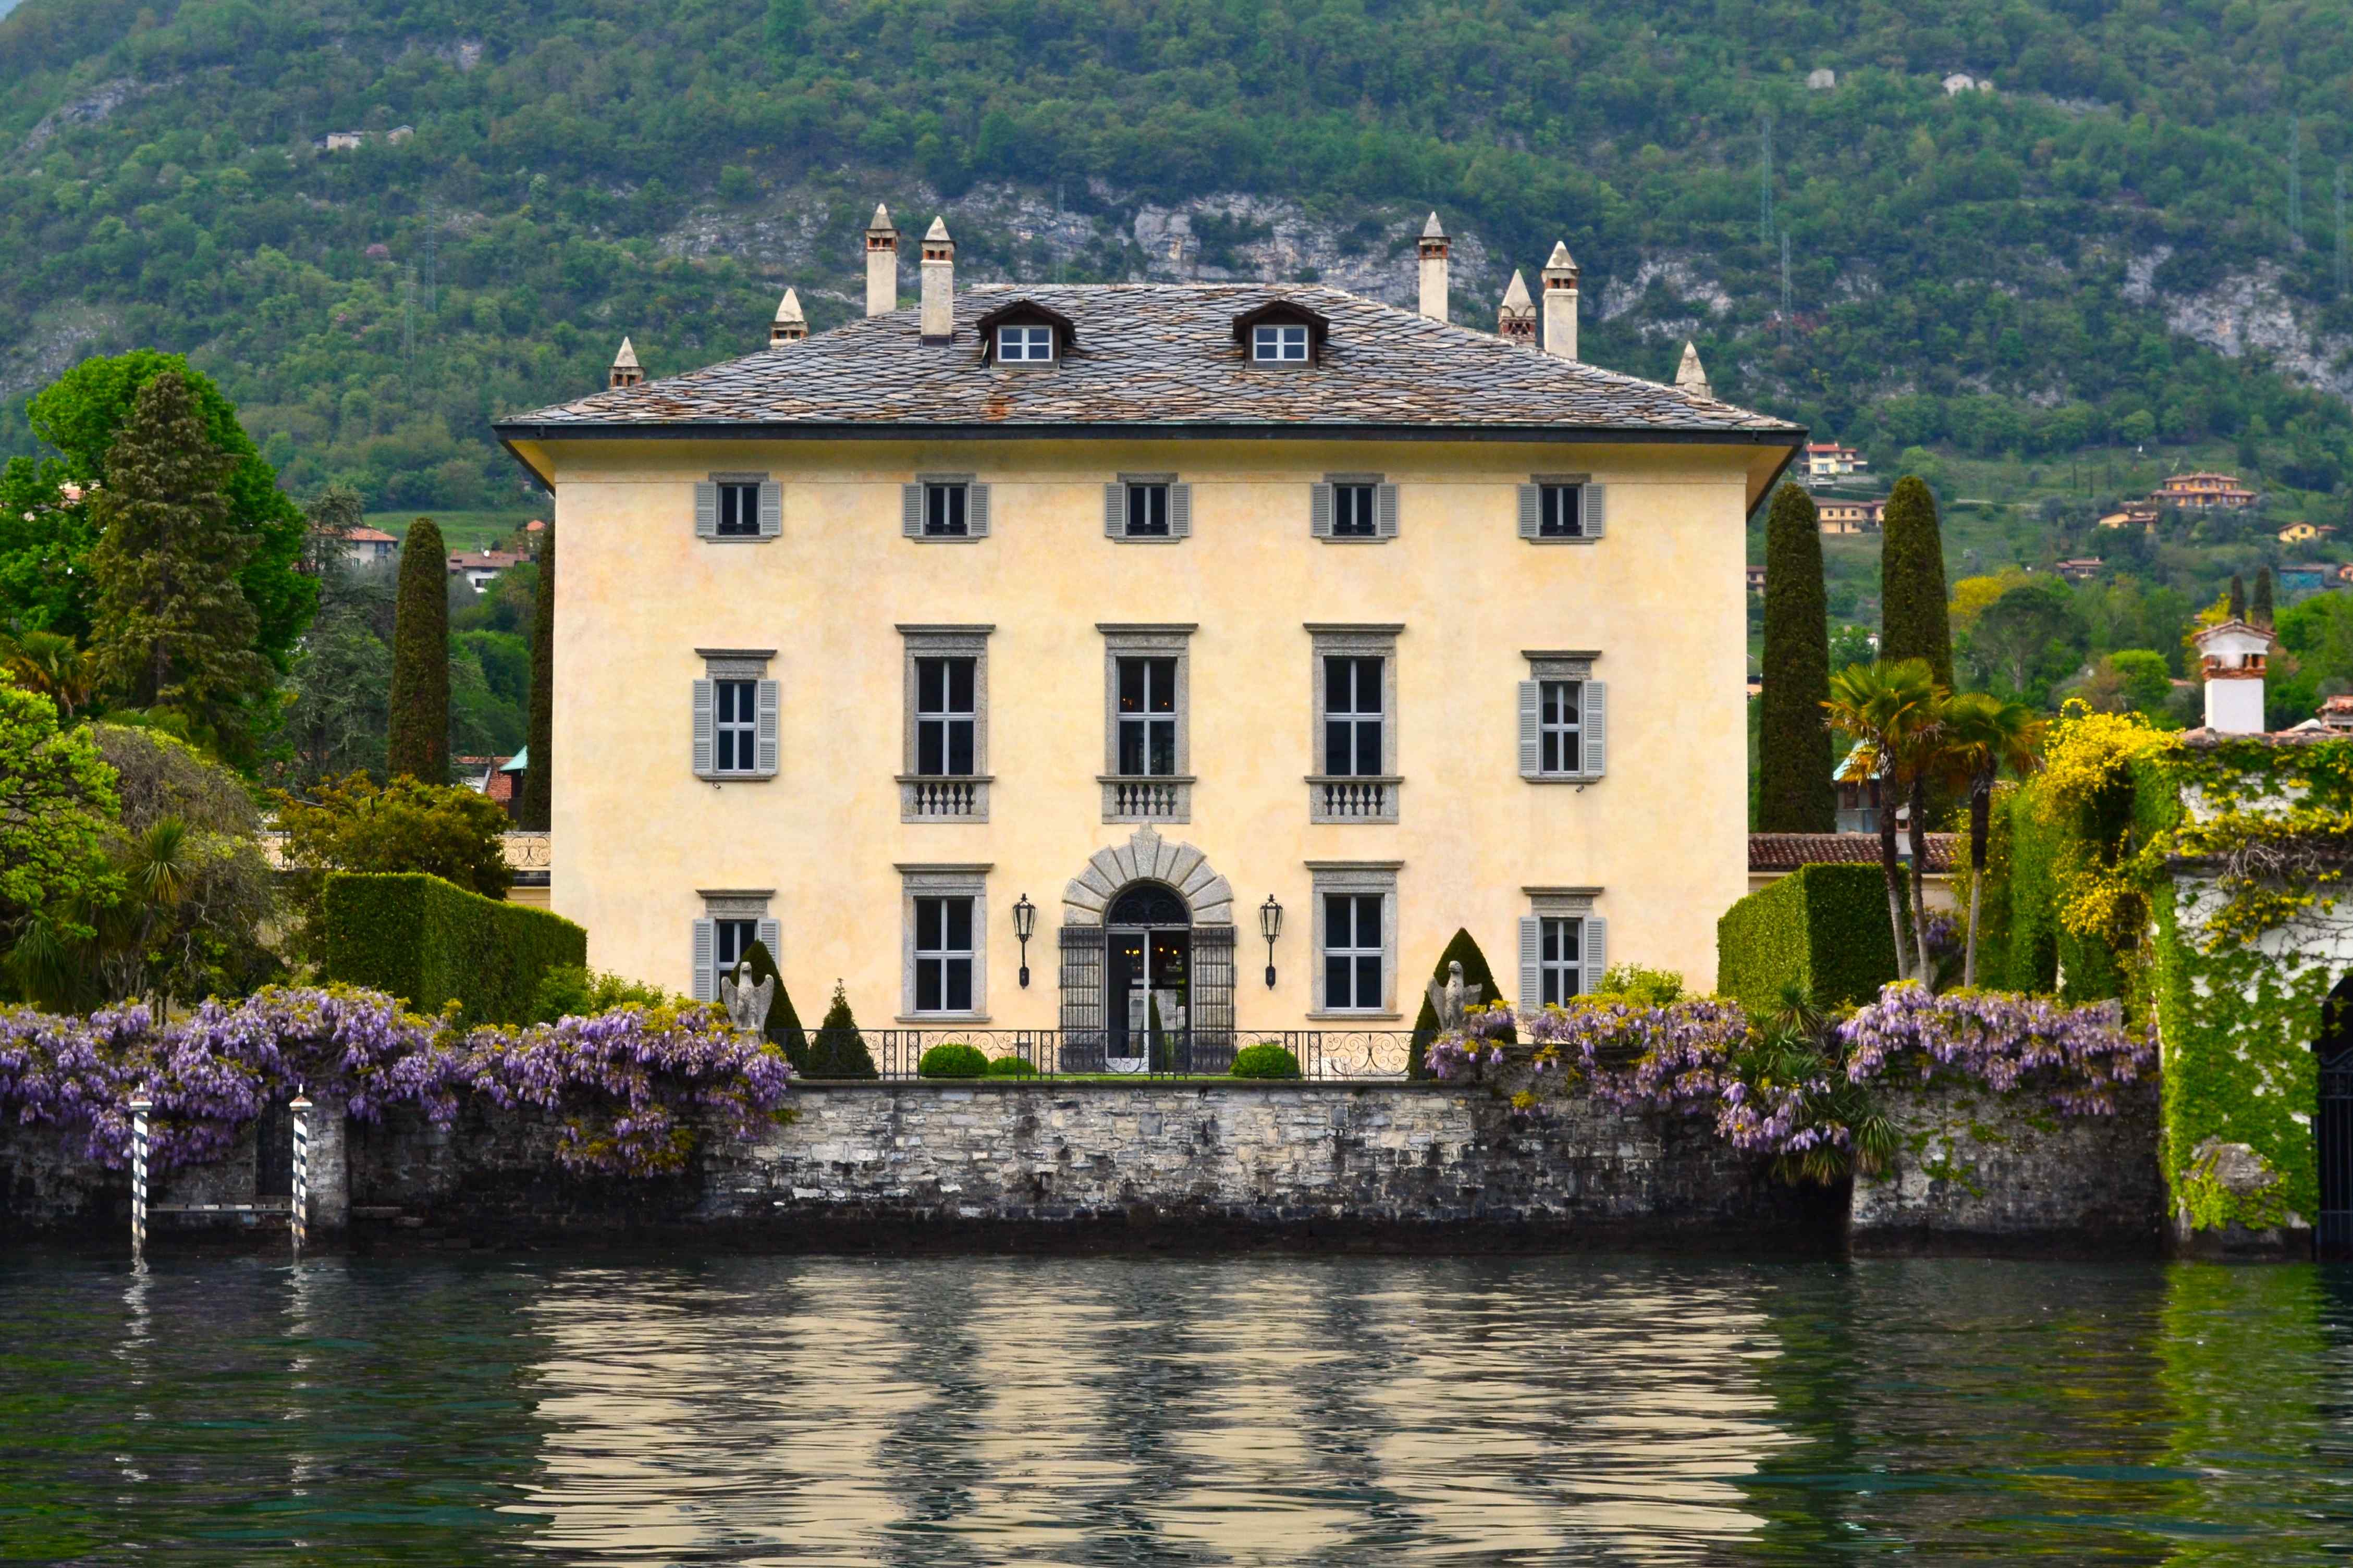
(1060, 657)
(2202, 491)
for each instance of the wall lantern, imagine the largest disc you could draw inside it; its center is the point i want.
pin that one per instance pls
(1025, 922)
(1269, 926)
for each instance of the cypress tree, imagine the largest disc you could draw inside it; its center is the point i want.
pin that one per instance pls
(1463, 950)
(532, 810)
(1914, 619)
(784, 1026)
(2262, 608)
(839, 1050)
(419, 742)
(2238, 597)
(1794, 793)
(171, 628)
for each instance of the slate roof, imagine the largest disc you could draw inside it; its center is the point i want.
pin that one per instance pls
(1787, 851)
(1155, 354)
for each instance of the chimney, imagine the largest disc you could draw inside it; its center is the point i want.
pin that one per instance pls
(1690, 378)
(1560, 302)
(2233, 655)
(626, 370)
(881, 263)
(1516, 322)
(939, 283)
(790, 326)
(1433, 248)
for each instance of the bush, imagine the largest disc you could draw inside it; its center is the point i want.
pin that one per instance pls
(1265, 1060)
(576, 991)
(839, 1050)
(430, 943)
(1464, 950)
(1822, 927)
(1012, 1067)
(349, 825)
(953, 1059)
(1649, 987)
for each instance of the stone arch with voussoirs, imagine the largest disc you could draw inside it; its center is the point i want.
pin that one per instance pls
(1209, 897)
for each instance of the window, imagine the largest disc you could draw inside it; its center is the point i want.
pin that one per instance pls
(1355, 506)
(947, 716)
(1151, 508)
(1147, 755)
(739, 510)
(1352, 716)
(1564, 719)
(733, 508)
(1560, 958)
(1147, 512)
(1563, 947)
(1355, 936)
(1351, 511)
(944, 954)
(735, 715)
(731, 919)
(1024, 345)
(1147, 717)
(943, 507)
(1561, 509)
(1279, 343)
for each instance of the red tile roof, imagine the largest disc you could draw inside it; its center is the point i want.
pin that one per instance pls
(1787, 851)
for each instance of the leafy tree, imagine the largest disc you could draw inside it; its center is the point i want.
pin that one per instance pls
(571, 990)
(1795, 794)
(1894, 710)
(533, 810)
(784, 1026)
(419, 742)
(172, 628)
(351, 825)
(51, 664)
(1913, 615)
(839, 1050)
(1463, 949)
(1982, 736)
(57, 803)
(2015, 644)
(340, 707)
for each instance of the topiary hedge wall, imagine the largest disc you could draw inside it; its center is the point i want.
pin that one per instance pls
(1824, 927)
(430, 942)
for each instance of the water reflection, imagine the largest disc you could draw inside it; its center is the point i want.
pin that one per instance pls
(1147, 1411)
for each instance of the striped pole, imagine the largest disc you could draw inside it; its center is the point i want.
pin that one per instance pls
(139, 1110)
(301, 1200)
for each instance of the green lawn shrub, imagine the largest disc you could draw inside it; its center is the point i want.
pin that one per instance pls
(952, 1058)
(1012, 1067)
(576, 991)
(430, 942)
(1823, 926)
(1265, 1060)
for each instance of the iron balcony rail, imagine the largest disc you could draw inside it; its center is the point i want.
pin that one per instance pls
(1326, 1055)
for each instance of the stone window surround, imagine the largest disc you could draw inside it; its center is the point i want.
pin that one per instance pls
(771, 507)
(1180, 509)
(1332, 639)
(1171, 640)
(1567, 903)
(943, 880)
(1357, 876)
(731, 904)
(1568, 664)
(734, 664)
(1587, 533)
(1323, 513)
(936, 641)
(976, 501)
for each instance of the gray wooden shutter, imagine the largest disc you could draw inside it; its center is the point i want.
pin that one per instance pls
(772, 937)
(772, 508)
(1596, 952)
(1115, 511)
(976, 510)
(706, 508)
(1531, 749)
(1591, 509)
(1319, 511)
(765, 736)
(705, 701)
(1385, 510)
(1180, 511)
(706, 959)
(911, 510)
(1530, 970)
(1595, 725)
(1530, 511)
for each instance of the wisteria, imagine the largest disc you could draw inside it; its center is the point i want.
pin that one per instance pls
(630, 1088)
(2077, 1056)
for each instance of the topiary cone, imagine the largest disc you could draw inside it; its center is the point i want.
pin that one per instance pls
(839, 1050)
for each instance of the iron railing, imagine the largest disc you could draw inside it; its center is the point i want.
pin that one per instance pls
(1328, 1055)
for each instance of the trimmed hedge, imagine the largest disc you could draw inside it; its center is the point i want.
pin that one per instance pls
(1824, 927)
(1265, 1060)
(953, 1059)
(1012, 1067)
(430, 942)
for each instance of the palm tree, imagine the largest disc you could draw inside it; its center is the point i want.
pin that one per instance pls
(1983, 735)
(1893, 713)
(51, 664)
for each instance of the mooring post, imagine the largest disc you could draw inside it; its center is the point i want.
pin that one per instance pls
(139, 1107)
(301, 1198)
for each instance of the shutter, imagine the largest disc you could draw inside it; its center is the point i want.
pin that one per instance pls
(772, 937)
(1531, 976)
(1596, 729)
(1385, 510)
(765, 749)
(704, 700)
(1596, 952)
(1180, 511)
(1590, 509)
(772, 508)
(1531, 751)
(1115, 512)
(706, 959)
(976, 510)
(706, 508)
(1530, 511)
(911, 510)
(1319, 514)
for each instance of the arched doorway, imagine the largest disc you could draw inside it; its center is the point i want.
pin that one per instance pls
(2332, 1128)
(1148, 954)
(1147, 927)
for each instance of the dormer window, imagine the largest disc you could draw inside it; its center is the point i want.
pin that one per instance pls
(1279, 345)
(1024, 345)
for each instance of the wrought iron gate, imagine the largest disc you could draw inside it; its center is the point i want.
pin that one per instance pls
(1083, 999)
(2333, 1130)
(1212, 1011)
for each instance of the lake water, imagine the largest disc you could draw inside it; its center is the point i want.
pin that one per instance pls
(1140, 1412)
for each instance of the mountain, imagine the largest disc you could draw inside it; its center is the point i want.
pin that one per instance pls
(2090, 239)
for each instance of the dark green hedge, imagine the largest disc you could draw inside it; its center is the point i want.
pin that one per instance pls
(1824, 927)
(430, 941)
(954, 1059)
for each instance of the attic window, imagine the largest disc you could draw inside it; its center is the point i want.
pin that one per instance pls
(1024, 345)
(1281, 332)
(1280, 343)
(1024, 332)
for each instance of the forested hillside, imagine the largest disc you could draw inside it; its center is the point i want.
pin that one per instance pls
(2056, 262)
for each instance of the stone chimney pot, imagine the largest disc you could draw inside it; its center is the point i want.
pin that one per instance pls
(1560, 278)
(1433, 247)
(1690, 377)
(882, 263)
(1515, 321)
(625, 370)
(790, 326)
(2234, 655)
(939, 284)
